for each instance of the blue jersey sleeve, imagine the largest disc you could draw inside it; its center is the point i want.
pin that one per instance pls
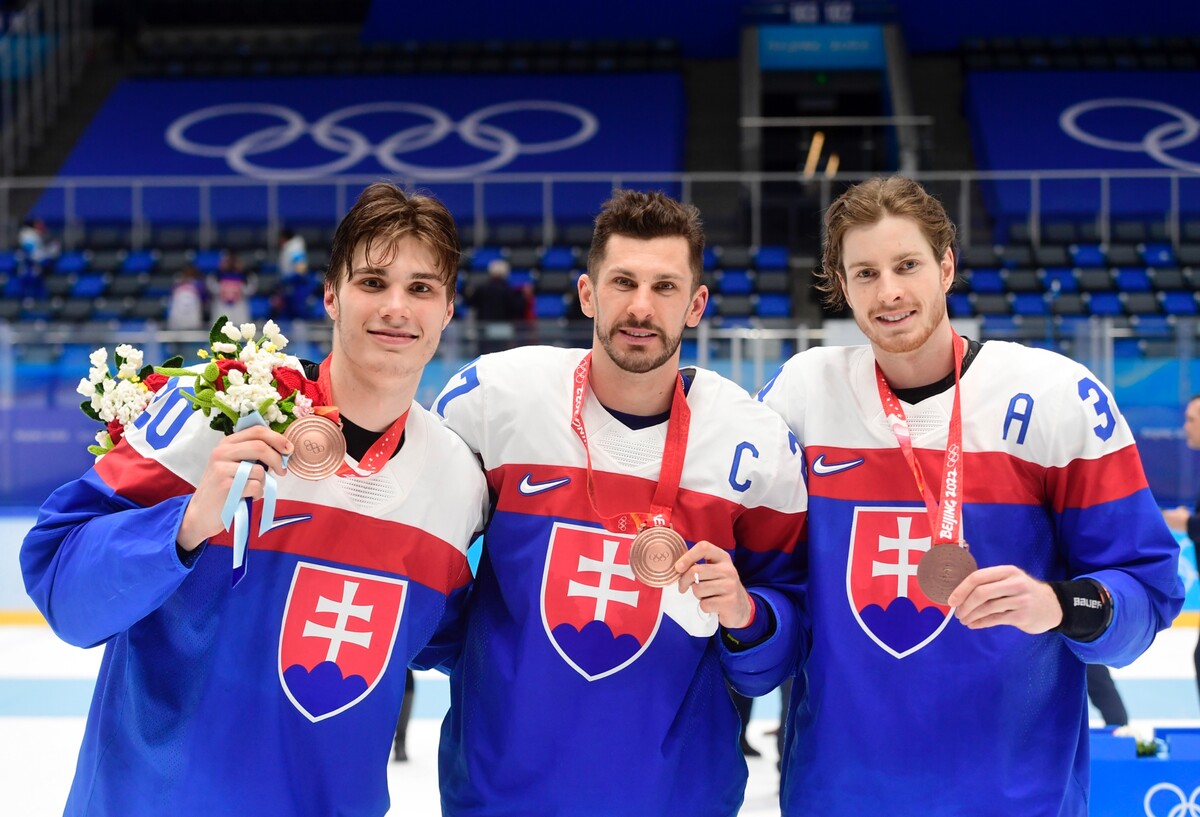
(96, 563)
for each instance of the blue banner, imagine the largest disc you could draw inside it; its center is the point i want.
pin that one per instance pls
(1087, 120)
(441, 130)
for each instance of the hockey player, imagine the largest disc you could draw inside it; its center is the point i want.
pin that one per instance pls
(980, 528)
(278, 696)
(638, 510)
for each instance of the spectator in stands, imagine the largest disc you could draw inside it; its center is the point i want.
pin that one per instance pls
(185, 309)
(232, 289)
(296, 283)
(1181, 519)
(498, 307)
(36, 250)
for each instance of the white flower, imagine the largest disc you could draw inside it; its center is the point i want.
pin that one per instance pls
(99, 358)
(225, 348)
(132, 358)
(248, 331)
(102, 439)
(86, 387)
(98, 375)
(232, 332)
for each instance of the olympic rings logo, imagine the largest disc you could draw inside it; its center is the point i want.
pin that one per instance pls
(332, 134)
(1182, 130)
(1186, 807)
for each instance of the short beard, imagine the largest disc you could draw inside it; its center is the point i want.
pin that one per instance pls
(640, 363)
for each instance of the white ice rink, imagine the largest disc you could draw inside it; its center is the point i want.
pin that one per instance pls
(45, 687)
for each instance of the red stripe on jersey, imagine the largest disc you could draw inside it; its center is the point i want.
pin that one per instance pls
(539, 490)
(140, 479)
(990, 477)
(344, 537)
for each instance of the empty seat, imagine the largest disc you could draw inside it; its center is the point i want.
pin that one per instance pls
(1094, 280)
(1153, 326)
(735, 255)
(773, 305)
(558, 258)
(555, 281)
(773, 281)
(89, 285)
(1140, 303)
(1087, 255)
(1022, 280)
(1168, 278)
(1067, 303)
(735, 282)
(986, 281)
(990, 303)
(959, 305)
(549, 305)
(1105, 304)
(1179, 302)
(1059, 279)
(524, 257)
(1051, 255)
(771, 258)
(1028, 303)
(482, 256)
(72, 262)
(982, 255)
(137, 261)
(734, 305)
(1132, 279)
(1123, 255)
(709, 258)
(1157, 254)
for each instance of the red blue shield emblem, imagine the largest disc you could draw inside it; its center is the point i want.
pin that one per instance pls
(598, 616)
(881, 579)
(338, 631)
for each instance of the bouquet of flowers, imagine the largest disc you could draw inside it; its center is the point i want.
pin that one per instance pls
(117, 401)
(246, 373)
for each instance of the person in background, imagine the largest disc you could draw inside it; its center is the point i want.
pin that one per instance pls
(1103, 694)
(186, 305)
(232, 287)
(980, 529)
(294, 277)
(498, 307)
(277, 696)
(1187, 520)
(36, 249)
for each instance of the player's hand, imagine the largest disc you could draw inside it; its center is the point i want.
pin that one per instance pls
(259, 445)
(716, 583)
(1006, 595)
(1177, 518)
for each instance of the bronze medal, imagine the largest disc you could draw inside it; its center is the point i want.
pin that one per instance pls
(318, 447)
(942, 568)
(654, 553)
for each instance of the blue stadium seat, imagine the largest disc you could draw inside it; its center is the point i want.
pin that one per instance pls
(89, 286)
(773, 305)
(519, 278)
(736, 322)
(1127, 347)
(484, 256)
(72, 262)
(8, 261)
(260, 307)
(959, 304)
(710, 258)
(1028, 303)
(558, 258)
(1153, 326)
(1105, 304)
(1000, 325)
(1070, 325)
(1059, 279)
(207, 261)
(735, 282)
(771, 257)
(548, 305)
(1179, 302)
(1133, 279)
(136, 261)
(986, 281)
(1087, 255)
(1157, 254)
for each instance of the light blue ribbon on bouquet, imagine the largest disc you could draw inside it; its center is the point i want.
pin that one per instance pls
(237, 512)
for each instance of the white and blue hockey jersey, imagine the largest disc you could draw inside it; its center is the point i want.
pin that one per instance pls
(275, 697)
(579, 690)
(897, 707)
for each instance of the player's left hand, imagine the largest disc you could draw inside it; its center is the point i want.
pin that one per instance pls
(716, 583)
(1005, 594)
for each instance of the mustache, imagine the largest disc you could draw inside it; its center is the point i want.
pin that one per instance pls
(646, 326)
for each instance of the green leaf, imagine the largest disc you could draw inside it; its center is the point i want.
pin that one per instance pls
(172, 371)
(216, 335)
(145, 372)
(174, 362)
(86, 406)
(226, 409)
(211, 373)
(97, 450)
(280, 427)
(264, 405)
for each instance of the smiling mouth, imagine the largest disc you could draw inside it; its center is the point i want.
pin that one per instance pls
(392, 334)
(893, 317)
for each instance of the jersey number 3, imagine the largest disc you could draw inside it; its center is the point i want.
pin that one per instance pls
(1108, 423)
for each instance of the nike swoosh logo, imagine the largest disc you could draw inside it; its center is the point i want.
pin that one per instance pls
(284, 521)
(824, 469)
(530, 488)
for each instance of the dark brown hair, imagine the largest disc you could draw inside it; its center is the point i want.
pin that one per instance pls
(383, 215)
(868, 203)
(646, 215)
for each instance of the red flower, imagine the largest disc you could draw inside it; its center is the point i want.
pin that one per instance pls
(224, 366)
(155, 381)
(288, 381)
(115, 430)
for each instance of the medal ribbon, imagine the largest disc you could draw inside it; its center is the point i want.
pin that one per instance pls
(236, 512)
(945, 518)
(380, 451)
(670, 471)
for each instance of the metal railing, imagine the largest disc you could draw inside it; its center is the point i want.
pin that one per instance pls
(749, 194)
